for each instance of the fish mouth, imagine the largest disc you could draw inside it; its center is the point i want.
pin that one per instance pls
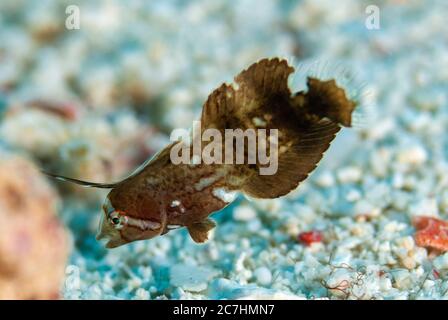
(103, 235)
(107, 242)
(103, 239)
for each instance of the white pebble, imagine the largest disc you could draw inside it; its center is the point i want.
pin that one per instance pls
(424, 207)
(190, 278)
(416, 155)
(244, 213)
(325, 179)
(142, 294)
(441, 262)
(349, 174)
(263, 276)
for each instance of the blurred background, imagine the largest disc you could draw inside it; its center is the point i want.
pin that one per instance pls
(94, 99)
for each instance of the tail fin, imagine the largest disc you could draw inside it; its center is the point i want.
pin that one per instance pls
(321, 111)
(326, 100)
(81, 182)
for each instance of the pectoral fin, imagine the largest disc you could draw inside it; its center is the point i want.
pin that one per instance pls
(199, 230)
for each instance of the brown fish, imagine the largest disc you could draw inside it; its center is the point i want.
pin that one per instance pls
(162, 196)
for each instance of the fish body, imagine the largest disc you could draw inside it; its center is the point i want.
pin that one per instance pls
(164, 195)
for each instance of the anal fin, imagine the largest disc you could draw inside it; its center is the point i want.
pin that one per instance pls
(199, 230)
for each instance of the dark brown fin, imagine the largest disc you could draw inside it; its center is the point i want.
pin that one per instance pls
(199, 231)
(156, 161)
(159, 159)
(326, 99)
(307, 122)
(295, 164)
(264, 79)
(228, 104)
(81, 182)
(321, 111)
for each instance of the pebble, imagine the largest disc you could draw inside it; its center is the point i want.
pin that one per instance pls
(190, 278)
(325, 179)
(263, 276)
(142, 294)
(244, 213)
(349, 174)
(402, 279)
(416, 156)
(424, 207)
(441, 262)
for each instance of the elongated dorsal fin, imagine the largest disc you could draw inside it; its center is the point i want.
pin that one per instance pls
(81, 182)
(161, 155)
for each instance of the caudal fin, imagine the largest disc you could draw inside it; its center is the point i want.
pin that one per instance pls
(327, 100)
(321, 111)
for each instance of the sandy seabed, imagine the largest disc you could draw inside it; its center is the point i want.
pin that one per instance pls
(135, 71)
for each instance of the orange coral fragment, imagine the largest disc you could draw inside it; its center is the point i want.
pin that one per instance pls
(431, 233)
(310, 237)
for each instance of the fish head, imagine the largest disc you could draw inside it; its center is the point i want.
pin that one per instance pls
(120, 226)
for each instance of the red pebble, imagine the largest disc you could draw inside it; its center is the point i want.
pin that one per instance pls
(436, 274)
(67, 111)
(431, 233)
(307, 238)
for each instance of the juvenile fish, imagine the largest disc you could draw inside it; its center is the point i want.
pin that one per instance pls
(162, 196)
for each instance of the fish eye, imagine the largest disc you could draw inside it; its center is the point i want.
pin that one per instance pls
(115, 219)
